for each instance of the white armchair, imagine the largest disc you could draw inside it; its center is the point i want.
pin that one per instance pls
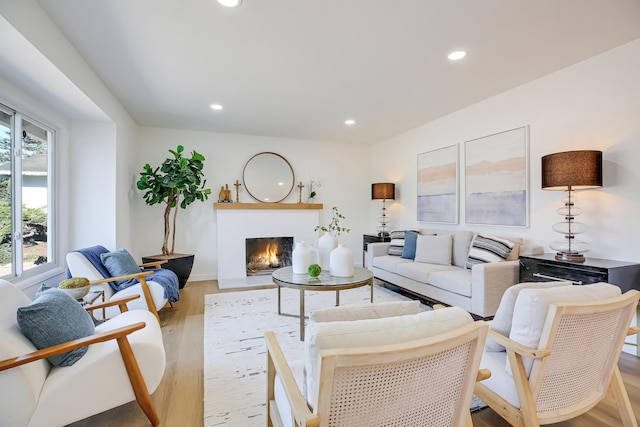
(151, 292)
(561, 355)
(398, 370)
(125, 361)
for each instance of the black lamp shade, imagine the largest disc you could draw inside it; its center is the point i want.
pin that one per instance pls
(383, 191)
(572, 169)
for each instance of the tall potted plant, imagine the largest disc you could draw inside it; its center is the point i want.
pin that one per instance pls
(177, 183)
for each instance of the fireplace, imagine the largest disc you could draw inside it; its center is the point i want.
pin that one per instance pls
(265, 254)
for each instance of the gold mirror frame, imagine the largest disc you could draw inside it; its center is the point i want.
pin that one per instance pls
(268, 177)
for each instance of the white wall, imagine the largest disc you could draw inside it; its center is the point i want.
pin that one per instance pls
(345, 184)
(102, 145)
(592, 105)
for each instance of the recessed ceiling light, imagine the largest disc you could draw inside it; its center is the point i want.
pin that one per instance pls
(216, 107)
(230, 3)
(458, 54)
(350, 122)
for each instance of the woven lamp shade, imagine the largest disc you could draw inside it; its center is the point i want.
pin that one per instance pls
(383, 191)
(572, 169)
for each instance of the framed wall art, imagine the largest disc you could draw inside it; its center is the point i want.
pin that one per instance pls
(496, 179)
(438, 185)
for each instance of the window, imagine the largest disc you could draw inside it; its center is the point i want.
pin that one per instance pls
(25, 194)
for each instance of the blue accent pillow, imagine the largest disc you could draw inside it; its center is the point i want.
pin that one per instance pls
(409, 250)
(54, 318)
(120, 263)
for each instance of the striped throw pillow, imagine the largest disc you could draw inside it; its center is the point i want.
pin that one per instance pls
(486, 249)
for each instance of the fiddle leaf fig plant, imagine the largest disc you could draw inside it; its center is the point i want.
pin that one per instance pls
(178, 182)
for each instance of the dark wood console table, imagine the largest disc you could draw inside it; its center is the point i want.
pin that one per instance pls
(544, 268)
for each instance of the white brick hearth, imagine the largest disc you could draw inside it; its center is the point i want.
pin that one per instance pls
(236, 225)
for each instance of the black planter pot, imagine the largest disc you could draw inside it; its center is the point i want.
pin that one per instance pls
(181, 264)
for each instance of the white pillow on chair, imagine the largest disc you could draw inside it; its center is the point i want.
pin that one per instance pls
(501, 322)
(532, 305)
(361, 333)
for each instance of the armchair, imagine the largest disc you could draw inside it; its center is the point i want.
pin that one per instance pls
(417, 369)
(572, 367)
(86, 263)
(125, 361)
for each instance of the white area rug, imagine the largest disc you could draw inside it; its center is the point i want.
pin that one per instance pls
(234, 350)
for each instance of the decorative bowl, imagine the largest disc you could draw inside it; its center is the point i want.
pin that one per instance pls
(77, 293)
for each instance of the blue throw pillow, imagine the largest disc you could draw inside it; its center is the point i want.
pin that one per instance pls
(120, 263)
(54, 318)
(409, 250)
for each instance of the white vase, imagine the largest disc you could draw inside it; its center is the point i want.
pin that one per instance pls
(326, 243)
(302, 257)
(341, 262)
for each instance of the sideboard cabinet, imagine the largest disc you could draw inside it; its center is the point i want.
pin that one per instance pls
(543, 268)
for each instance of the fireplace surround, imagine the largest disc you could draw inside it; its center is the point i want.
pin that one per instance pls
(236, 222)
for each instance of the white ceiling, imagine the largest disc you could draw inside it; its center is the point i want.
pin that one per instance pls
(298, 69)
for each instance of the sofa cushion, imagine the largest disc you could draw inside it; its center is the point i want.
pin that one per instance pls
(421, 272)
(488, 249)
(409, 248)
(457, 281)
(501, 322)
(389, 263)
(434, 249)
(365, 311)
(53, 318)
(390, 330)
(532, 305)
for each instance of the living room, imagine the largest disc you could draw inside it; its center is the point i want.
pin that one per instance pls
(590, 104)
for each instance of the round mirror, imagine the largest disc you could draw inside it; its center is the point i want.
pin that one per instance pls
(268, 177)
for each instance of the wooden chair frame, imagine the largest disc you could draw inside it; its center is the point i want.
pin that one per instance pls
(120, 335)
(529, 387)
(303, 416)
(143, 284)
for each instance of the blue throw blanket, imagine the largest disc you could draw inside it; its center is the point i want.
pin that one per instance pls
(166, 278)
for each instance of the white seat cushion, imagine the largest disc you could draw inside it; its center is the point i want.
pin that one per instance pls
(389, 263)
(457, 281)
(280, 397)
(499, 381)
(361, 333)
(421, 272)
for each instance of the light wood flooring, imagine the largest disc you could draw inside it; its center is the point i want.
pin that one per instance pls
(178, 399)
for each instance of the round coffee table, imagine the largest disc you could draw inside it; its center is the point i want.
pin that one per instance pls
(324, 282)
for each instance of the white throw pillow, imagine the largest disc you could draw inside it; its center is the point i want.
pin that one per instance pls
(434, 249)
(365, 311)
(532, 306)
(361, 333)
(501, 322)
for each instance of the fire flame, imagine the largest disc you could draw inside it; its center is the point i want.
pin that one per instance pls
(269, 256)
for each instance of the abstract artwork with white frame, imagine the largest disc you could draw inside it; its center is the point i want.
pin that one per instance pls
(438, 185)
(497, 179)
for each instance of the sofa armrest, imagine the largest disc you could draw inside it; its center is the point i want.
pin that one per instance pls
(374, 250)
(488, 282)
(529, 249)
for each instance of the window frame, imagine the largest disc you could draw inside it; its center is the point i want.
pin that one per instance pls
(18, 273)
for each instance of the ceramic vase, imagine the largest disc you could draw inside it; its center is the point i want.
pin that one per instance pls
(302, 257)
(326, 244)
(341, 262)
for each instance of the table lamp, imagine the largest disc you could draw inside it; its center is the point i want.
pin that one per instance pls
(570, 171)
(383, 191)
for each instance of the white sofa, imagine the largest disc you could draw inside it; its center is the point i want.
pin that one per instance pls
(478, 289)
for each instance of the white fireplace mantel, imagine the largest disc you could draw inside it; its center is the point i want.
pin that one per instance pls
(234, 225)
